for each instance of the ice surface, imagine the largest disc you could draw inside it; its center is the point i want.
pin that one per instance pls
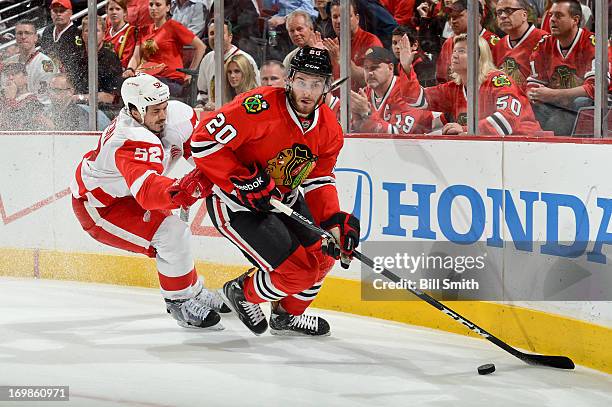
(115, 346)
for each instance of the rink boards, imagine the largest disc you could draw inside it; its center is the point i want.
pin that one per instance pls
(470, 191)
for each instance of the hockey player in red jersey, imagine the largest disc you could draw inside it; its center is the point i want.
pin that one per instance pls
(265, 145)
(122, 198)
(503, 107)
(381, 107)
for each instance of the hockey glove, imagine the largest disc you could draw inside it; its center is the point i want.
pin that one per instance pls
(345, 229)
(186, 191)
(255, 190)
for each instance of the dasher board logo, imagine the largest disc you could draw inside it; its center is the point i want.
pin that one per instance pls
(255, 104)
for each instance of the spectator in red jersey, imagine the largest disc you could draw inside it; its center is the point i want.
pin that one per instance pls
(562, 65)
(120, 33)
(20, 109)
(423, 65)
(401, 10)
(512, 52)
(159, 51)
(360, 41)
(458, 21)
(380, 108)
(109, 74)
(138, 13)
(503, 108)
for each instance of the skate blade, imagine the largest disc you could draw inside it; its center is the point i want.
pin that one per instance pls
(216, 327)
(231, 306)
(286, 332)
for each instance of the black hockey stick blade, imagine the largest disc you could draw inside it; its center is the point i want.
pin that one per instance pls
(336, 84)
(559, 362)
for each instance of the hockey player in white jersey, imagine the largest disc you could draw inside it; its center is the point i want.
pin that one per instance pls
(122, 198)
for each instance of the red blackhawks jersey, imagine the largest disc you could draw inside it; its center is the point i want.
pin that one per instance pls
(131, 161)
(260, 127)
(514, 60)
(392, 114)
(577, 68)
(443, 70)
(503, 108)
(124, 41)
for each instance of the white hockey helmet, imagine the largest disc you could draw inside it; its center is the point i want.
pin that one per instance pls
(143, 90)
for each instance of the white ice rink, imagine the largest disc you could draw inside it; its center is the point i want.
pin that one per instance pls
(115, 346)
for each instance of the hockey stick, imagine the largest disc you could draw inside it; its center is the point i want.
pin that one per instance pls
(560, 362)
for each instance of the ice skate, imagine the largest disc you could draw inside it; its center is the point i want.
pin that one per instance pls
(213, 300)
(191, 313)
(249, 313)
(285, 324)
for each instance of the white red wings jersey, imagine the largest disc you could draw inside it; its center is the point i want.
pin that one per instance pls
(577, 68)
(443, 70)
(130, 160)
(260, 127)
(514, 60)
(392, 114)
(503, 108)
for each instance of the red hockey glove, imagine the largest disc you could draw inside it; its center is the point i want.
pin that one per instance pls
(255, 190)
(186, 191)
(345, 228)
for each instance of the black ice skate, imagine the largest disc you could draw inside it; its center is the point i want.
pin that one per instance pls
(191, 313)
(250, 314)
(284, 324)
(213, 300)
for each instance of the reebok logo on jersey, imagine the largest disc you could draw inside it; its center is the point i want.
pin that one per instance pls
(252, 186)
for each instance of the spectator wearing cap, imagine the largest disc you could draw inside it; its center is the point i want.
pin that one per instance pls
(423, 64)
(109, 72)
(562, 77)
(60, 39)
(206, 77)
(40, 68)
(361, 41)
(21, 109)
(273, 73)
(64, 114)
(160, 48)
(301, 33)
(119, 32)
(380, 107)
(458, 21)
(190, 13)
(511, 54)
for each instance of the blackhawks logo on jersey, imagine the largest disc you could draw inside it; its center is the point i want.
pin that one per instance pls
(291, 165)
(501, 80)
(47, 66)
(511, 68)
(565, 77)
(254, 104)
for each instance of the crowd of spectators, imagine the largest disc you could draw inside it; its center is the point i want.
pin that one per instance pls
(407, 60)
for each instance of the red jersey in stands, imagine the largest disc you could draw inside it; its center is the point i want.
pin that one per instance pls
(401, 10)
(132, 161)
(260, 127)
(514, 59)
(503, 108)
(164, 45)
(360, 43)
(443, 69)
(546, 21)
(138, 13)
(124, 41)
(549, 66)
(392, 114)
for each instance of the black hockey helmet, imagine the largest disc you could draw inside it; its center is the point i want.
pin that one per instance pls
(314, 61)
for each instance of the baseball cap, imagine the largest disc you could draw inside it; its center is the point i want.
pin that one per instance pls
(459, 5)
(380, 54)
(64, 3)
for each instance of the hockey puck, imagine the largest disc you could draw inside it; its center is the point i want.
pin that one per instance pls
(486, 369)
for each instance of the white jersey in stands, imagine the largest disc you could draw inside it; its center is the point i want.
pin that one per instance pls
(128, 153)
